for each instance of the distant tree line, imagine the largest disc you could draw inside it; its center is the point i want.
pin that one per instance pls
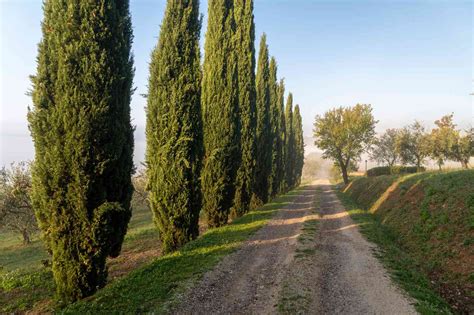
(220, 139)
(413, 144)
(345, 133)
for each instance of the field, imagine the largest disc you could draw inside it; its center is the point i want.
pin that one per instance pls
(430, 219)
(25, 284)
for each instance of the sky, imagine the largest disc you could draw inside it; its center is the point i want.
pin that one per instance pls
(408, 59)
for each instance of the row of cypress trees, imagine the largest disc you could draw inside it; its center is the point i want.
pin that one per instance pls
(218, 137)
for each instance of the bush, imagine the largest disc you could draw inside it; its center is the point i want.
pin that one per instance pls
(394, 170)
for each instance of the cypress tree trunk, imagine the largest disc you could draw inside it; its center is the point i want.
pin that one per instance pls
(289, 144)
(174, 127)
(281, 138)
(273, 183)
(80, 124)
(299, 145)
(245, 37)
(263, 132)
(220, 114)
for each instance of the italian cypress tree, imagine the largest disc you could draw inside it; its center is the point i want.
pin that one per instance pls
(80, 124)
(299, 145)
(174, 128)
(263, 130)
(281, 137)
(273, 183)
(245, 48)
(220, 114)
(289, 143)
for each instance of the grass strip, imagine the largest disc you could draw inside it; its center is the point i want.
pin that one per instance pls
(295, 298)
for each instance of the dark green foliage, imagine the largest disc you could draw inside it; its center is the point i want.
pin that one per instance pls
(263, 132)
(174, 127)
(83, 139)
(245, 48)
(282, 134)
(299, 146)
(289, 144)
(273, 180)
(220, 114)
(394, 170)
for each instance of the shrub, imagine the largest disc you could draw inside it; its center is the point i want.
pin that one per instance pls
(394, 170)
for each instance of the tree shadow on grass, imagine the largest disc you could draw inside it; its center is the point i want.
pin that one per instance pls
(152, 287)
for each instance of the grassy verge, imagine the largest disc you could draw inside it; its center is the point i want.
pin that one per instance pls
(433, 216)
(157, 286)
(403, 269)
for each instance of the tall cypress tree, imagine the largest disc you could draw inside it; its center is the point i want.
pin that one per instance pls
(245, 48)
(281, 137)
(273, 183)
(220, 114)
(174, 128)
(263, 130)
(289, 143)
(299, 145)
(83, 138)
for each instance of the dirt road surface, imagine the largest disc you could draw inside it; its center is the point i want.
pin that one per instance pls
(348, 278)
(342, 277)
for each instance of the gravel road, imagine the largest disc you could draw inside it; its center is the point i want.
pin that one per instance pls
(342, 277)
(248, 281)
(349, 279)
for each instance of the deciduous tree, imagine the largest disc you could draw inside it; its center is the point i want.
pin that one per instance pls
(412, 144)
(16, 211)
(443, 139)
(384, 149)
(344, 133)
(463, 148)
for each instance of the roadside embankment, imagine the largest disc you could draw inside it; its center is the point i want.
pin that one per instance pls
(432, 216)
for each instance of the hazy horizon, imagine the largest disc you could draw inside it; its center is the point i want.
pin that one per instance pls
(409, 60)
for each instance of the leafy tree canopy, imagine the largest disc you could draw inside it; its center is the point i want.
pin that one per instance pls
(344, 133)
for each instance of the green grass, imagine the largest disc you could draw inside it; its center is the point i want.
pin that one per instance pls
(403, 268)
(432, 214)
(14, 255)
(156, 287)
(308, 231)
(24, 281)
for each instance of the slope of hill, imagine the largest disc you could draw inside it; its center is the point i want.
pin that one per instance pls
(432, 215)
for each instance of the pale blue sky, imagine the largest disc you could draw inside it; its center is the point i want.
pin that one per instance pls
(409, 59)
